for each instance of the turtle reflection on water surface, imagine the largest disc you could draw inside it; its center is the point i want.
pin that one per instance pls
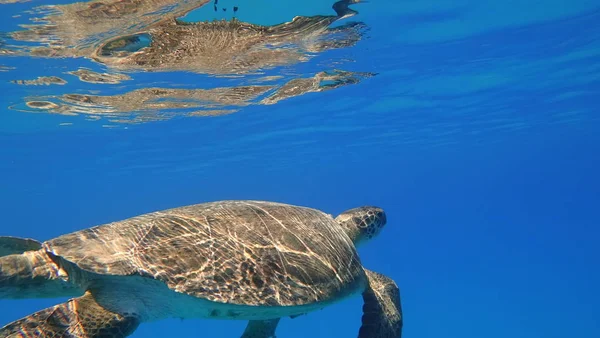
(147, 35)
(223, 47)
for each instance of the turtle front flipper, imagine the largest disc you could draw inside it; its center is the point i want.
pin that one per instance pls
(79, 317)
(261, 328)
(382, 312)
(15, 245)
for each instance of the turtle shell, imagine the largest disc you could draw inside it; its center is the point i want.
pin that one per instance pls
(237, 252)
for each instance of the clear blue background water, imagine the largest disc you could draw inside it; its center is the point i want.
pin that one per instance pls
(479, 137)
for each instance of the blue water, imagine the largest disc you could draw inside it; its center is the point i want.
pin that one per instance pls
(479, 136)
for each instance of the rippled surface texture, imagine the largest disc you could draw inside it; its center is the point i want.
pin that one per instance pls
(129, 37)
(474, 124)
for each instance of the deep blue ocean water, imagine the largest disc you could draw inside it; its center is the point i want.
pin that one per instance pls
(478, 134)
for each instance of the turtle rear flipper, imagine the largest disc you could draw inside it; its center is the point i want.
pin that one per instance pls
(382, 312)
(79, 317)
(33, 274)
(15, 245)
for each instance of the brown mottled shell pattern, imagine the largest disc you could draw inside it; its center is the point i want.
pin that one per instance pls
(238, 252)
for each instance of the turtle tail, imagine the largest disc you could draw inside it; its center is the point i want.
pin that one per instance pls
(33, 274)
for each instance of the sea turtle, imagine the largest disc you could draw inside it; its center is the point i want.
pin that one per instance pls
(247, 260)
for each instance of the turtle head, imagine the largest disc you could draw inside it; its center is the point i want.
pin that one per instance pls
(363, 223)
